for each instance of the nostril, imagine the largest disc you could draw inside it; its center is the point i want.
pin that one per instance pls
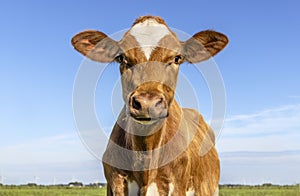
(135, 104)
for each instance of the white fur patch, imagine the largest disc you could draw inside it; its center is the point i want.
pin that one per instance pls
(133, 188)
(148, 34)
(152, 190)
(216, 192)
(171, 189)
(190, 192)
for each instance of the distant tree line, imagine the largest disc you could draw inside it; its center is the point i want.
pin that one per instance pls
(265, 185)
(71, 184)
(101, 185)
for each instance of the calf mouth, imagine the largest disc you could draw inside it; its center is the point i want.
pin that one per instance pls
(146, 120)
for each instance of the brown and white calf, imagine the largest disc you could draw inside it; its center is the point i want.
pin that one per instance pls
(156, 147)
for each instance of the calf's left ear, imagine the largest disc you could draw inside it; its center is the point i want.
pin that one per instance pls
(203, 45)
(96, 46)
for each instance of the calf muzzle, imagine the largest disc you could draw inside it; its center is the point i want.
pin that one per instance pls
(147, 106)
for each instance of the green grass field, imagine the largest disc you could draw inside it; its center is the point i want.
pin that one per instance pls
(51, 191)
(260, 191)
(66, 191)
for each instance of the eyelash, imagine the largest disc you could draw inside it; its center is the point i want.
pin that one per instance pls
(177, 59)
(121, 59)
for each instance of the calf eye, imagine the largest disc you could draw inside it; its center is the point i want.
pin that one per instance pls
(121, 59)
(177, 59)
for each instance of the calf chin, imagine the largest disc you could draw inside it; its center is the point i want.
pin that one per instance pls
(143, 128)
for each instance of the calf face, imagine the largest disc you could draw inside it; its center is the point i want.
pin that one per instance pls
(149, 55)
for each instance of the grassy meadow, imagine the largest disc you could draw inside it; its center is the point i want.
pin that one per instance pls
(51, 191)
(260, 191)
(93, 191)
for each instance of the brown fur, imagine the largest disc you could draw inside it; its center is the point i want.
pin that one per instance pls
(188, 170)
(143, 18)
(176, 149)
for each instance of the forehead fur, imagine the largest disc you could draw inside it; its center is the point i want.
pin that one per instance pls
(148, 32)
(143, 18)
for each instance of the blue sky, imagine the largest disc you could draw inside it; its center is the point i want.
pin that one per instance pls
(260, 68)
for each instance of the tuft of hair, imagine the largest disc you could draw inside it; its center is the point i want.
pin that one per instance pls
(143, 18)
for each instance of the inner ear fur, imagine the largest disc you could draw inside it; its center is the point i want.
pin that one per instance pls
(95, 45)
(203, 45)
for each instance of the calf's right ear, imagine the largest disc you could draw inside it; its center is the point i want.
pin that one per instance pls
(96, 46)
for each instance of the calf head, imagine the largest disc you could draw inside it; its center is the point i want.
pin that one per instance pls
(149, 55)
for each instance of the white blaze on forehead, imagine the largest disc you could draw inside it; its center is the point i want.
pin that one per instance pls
(148, 34)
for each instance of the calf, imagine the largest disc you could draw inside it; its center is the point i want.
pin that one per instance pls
(156, 147)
